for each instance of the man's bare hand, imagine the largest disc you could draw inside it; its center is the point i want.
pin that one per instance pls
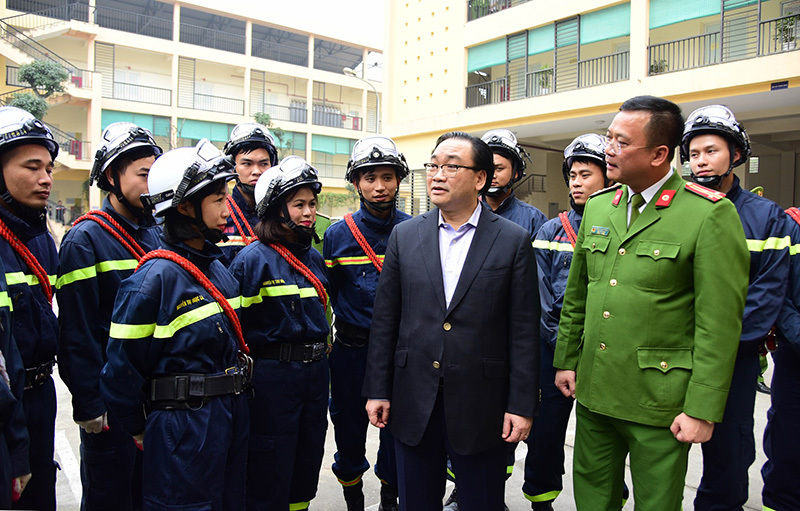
(690, 430)
(516, 428)
(378, 412)
(565, 382)
(18, 486)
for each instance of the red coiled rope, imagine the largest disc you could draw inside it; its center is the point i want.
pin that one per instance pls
(233, 208)
(120, 233)
(207, 285)
(794, 213)
(303, 269)
(30, 260)
(348, 218)
(568, 228)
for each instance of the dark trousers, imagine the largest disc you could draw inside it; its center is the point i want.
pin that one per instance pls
(781, 438)
(421, 471)
(732, 448)
(40, 417)
(111, 470)
(544, 463)
(288, 414)
(350, 421)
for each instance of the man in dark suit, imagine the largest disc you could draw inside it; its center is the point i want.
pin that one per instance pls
(453, 351)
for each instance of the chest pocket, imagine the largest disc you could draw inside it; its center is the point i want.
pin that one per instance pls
(596, 247)
(655, 265)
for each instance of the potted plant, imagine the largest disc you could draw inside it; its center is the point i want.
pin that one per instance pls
(785, 32)
(545, 79)
(658, 67)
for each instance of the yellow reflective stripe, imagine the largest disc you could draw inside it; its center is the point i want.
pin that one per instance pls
(794, 249)
(126, 331)
(5, 301)
(769, 244)
(350, 261)
(286, 290)
(92, 271)
(18, 277)
(543, 497)
(299, 506)
(553, 245)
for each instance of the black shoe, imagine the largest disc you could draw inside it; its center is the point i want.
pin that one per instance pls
(354, 496)
(762, 387)
(388, 498)
(542, 506)
(452, 501)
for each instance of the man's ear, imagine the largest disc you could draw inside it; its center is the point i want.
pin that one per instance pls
(482, 175)
(109, 176)
(660, 155)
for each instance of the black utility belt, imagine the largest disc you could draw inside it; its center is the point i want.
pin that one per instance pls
(287, 352)
(180, 390)
(351, 335)
(36, 376)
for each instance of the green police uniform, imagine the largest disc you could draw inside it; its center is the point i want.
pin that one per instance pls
(651, 323)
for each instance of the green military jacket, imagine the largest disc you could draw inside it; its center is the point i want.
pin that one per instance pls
(652, 315)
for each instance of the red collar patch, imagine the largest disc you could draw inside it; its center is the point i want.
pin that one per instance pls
(617, 197)
(665, 198)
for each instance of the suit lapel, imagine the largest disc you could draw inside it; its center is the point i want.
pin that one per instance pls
(482, 242)
(619, 216)
(429, 242)
(650, 213)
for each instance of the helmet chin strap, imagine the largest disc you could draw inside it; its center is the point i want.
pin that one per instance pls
(212, 235)
(496, 191)
(379, 206)
(248, 189)
(304, 234)
(140, 214)
(714, 181)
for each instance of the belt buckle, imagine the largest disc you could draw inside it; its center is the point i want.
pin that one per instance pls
(316, 352)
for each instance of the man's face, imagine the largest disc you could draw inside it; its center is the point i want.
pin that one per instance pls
(28, 173)
(709, 155)
(378, 184)
(133, 180)
(503, 171)
(462, 189)
(251, 165)
(628, 153)
(584, 180)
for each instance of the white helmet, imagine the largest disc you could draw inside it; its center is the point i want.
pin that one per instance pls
(715, 120)
(118, 138)
(290, 173)
(18, 127)
(590, 146)
(181, 173)
(504, 143)
(249, 133)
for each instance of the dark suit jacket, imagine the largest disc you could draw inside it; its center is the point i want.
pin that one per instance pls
(484, 347)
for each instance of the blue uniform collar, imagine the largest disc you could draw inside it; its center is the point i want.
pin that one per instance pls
(24, 231)
(735, 190)
(504, 206)
(375, 223)
(200, 258)
(147, 221)
(238, 197)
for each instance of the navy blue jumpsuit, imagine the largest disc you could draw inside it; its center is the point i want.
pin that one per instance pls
(286, 329)
(36, 332)
(521, 213)
(353, 282)
(93, 264)
(165, 324)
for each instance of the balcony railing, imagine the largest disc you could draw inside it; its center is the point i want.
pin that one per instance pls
(605, 69)
(539, 83)
(8, 96)
(330, 170)
(40, 18)
(280, 52)
(142, 93)
(487, 93)
(687, 53)
(295, 112)
(126, 21)
(480, 8)
(219, 104)
(67, 143)
(323, 114)
(210, 38)
(779, 35)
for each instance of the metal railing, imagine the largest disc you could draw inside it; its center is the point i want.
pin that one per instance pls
(279, 52)
(606, 69)
(295, 112)
(8, 96)
(487, 93)
(219, 104)
(80, 149)
(530, 184)
(323, 114)
(539, 83)
(480, 8)
(779, 35)
(211, 38)
(142, 93)
(47, 16)
(135, 23)
(12, 77)
(686, 53)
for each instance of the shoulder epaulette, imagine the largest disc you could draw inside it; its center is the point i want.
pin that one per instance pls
(606, 190)
(706, 193)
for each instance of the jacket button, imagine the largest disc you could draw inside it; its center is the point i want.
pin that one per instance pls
(436, 364)
(606, 314)
(447, 327)
(613, 282)
(664, 364)
(622, 251)
(594, 245)
(656, 252)
(602, 345)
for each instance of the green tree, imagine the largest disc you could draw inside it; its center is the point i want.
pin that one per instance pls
(44, 76)
(27, 101)
(284, 146)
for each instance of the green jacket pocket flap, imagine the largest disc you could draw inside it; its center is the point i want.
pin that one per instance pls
(658, 249)
(664, 359)
(596, 243)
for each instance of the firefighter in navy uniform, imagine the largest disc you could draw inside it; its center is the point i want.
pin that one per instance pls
(354, 250)
(14, 442)
(252, 147)
(781, 446)
(509, 167)
(27, 154)
(176, 365)
(283, 280)
(714, 143)
(97, 254)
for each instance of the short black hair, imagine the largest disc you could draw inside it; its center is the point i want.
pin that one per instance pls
(249, 147)
(586, 160)
(482, 155)
(121, 163)
(666, 122)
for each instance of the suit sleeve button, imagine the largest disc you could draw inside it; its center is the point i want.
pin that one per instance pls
(447, 327)
(436, 364)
